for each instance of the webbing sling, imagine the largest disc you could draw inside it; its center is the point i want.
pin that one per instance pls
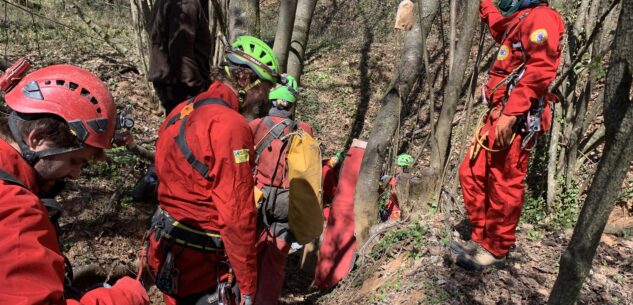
(181, 140)
(276, 131)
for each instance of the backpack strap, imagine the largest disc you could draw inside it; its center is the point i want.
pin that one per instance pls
(276, 131)
(181, 140)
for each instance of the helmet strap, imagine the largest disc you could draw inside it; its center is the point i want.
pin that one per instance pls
(32, 157)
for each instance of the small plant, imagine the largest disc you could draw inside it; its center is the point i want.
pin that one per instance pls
(435, 294)
(534, 235)
(414, 235)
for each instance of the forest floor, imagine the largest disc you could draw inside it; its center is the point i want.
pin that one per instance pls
(351, 58)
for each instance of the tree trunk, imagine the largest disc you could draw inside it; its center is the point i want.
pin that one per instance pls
(141, 19)
(552, 158)
(605, 187)
(285, 24)
(382, 133)
(243, 18)
(444, 126)
(300, 33)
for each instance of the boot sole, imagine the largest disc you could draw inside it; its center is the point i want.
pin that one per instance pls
(469, 265)
(457, 249)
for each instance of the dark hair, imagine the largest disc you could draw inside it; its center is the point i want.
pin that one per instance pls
(54, 128)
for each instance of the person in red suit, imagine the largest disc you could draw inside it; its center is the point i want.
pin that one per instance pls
(493, 171)
(203, 236)
(61, 117)
(271, 177)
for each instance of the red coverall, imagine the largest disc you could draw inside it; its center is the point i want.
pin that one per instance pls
(493, 183)
(272, 249)
(223, 203)
(31, 264)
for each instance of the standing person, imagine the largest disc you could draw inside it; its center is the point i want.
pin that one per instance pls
(391, 211)
(271, 177)
(493, 172)
(203, 236)
(61, 117)
(180, 50)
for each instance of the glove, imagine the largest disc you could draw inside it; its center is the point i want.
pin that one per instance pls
(133, 288)
(247, 300)
(504, 130)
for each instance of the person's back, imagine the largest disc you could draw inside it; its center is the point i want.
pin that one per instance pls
(180, 50)
(271, 146)
(202, 237)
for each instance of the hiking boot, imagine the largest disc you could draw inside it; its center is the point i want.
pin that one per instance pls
(479, 260)
(464, 247)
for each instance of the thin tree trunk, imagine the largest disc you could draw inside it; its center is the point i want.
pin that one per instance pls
(452, 91)
(300, 33)
(605, 187)
(243, 18)
(141, 18)
(285, 24)
(552, 169)
(382, 133)
(453, 35)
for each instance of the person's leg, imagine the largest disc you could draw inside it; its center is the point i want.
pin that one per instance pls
(473, 179)
(507, 185)
(273, 252)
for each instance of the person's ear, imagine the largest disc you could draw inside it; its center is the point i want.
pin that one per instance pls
(35, 140)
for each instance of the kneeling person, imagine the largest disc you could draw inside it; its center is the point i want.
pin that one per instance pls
(61, 117)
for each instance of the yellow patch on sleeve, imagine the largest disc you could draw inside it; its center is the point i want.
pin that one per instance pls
(504, 52)
(539, 36)
(241, 155)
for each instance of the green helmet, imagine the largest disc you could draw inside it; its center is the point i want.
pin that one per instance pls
(290, 82)
(405, 160)
(282, 93)
(257, 55)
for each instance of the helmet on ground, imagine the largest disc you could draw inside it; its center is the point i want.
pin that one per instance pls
(255, 54)
(405, 160)
(73, 94)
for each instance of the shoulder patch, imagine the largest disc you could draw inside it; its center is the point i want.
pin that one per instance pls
(539, 36)
(241, 155)
(504, 52)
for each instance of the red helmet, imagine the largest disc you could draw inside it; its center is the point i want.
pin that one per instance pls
(72, 93)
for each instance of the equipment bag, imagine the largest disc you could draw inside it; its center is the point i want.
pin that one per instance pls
(305, 211)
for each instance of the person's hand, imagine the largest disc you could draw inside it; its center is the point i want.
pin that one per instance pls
(134, 287)
(246, 300)
(504, 130)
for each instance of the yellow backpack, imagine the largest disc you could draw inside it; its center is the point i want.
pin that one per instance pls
(305, 210)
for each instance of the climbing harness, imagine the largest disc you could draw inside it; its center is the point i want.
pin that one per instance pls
(165, 228)
(510, 81)
(181, 140)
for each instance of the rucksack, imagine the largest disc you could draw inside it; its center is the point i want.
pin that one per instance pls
(305, 216)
